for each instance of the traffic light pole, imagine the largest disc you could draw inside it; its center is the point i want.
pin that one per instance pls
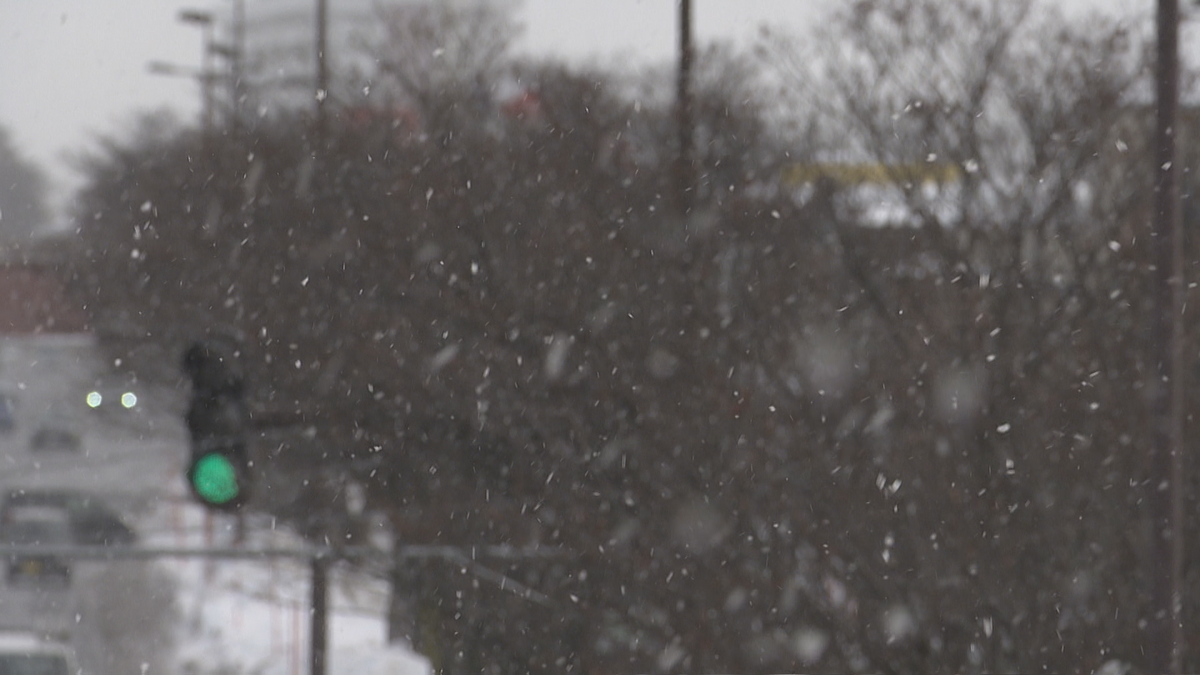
(319, 634)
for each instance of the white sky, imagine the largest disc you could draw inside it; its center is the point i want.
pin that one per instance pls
(74, 69)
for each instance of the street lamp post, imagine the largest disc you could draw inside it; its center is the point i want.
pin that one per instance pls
(685, 171)
(1166, 485)
(237, 63)
(322, 83)
(205, 21)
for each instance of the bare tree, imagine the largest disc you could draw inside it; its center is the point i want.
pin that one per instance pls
(992, 137)
(833, 426)
(433, 55)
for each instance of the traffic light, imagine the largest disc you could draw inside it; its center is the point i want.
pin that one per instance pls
(217, 419)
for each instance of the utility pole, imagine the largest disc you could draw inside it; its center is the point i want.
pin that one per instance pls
(237, 87)
(685, 169)
(322, 84)
(1167, 476)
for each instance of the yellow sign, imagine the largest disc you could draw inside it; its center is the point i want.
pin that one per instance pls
(858, 174)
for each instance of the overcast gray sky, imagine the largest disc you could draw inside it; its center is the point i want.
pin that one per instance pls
(74, 69)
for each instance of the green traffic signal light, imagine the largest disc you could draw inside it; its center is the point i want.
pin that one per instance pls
(217, 421)
(215, 479)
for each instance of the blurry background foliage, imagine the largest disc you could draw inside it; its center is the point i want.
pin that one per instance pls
(812, 424)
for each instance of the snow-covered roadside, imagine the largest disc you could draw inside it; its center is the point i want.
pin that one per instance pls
(253, 616)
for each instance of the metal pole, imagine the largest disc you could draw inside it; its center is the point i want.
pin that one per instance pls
(205, 21)
(236, 65)
(209, 538)
(1166, 484)
(683, 101)
(353, 553)
(319, 630)
(322, 83)
(206, 77)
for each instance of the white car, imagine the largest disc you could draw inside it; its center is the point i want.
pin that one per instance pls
(31, 654)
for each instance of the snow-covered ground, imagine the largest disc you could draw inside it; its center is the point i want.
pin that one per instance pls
(239, 616)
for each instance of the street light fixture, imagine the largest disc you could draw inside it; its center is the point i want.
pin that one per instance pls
(171, 70)
(196, 16)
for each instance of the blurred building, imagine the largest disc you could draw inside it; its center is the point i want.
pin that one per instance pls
(278, 39)
(48, 356)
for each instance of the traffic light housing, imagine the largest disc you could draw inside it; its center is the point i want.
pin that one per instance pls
(217, 420)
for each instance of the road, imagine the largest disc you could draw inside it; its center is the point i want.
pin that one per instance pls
(155, 616)
(132, 459)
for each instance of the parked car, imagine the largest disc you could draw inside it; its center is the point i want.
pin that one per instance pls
(31, 654)
(113, 397)
(55, 437)
(91, 521)
(8, 413)
(36, 527)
